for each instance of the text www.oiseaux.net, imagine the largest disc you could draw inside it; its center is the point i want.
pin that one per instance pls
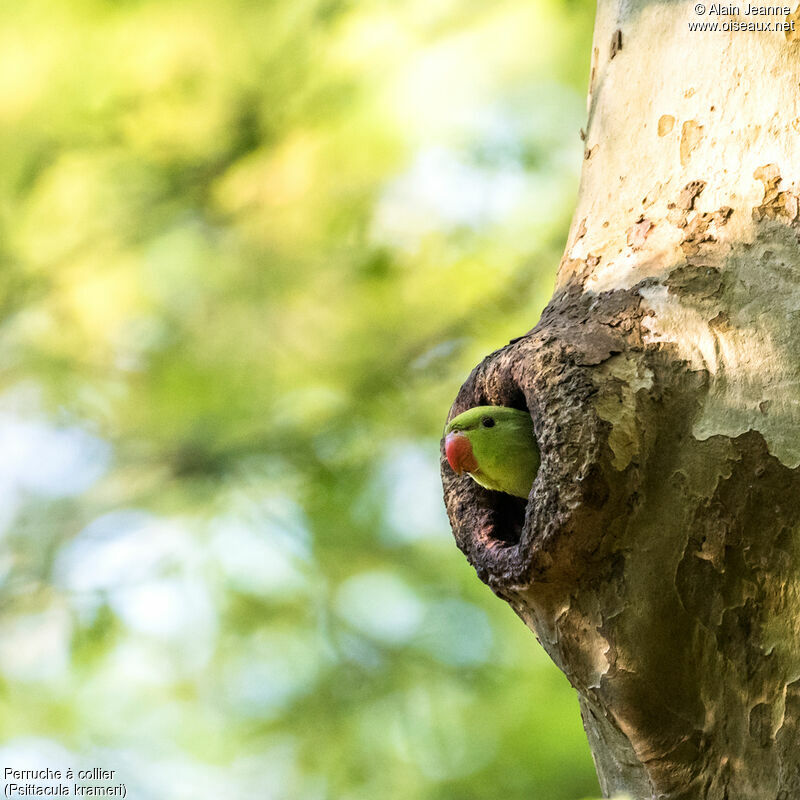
(754, 18)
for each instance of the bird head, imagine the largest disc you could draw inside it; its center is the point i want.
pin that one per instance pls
(495, 446)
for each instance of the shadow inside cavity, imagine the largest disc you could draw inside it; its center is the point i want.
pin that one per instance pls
(507, 517)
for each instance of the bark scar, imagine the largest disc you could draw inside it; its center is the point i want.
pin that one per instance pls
(778, 205)
(638, 233)
(616, 43)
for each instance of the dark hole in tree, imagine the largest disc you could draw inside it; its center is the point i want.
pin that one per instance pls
(507, 516)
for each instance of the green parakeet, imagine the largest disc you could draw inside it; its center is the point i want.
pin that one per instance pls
(495, 446)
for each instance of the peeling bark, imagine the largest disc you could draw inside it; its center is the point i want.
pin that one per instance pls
(657, 558)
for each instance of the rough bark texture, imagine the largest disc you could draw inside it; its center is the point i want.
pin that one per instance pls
(658, 557)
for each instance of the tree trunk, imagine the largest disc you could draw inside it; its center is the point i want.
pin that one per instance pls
(657, 559)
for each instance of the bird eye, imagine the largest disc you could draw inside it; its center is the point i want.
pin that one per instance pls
(488, 422)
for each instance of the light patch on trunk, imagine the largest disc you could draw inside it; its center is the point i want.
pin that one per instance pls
(671, 322)
(618, 380)
(752, 373)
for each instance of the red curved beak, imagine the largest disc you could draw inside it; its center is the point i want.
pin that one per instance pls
(459, 453)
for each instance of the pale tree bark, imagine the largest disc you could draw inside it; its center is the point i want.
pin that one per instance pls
(657, 559)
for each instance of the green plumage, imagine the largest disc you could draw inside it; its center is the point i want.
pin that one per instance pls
(503, 445)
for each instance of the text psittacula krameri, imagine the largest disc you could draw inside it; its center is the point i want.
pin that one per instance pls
(495, 446)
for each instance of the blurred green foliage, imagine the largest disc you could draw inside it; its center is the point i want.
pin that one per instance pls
(250, 251)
